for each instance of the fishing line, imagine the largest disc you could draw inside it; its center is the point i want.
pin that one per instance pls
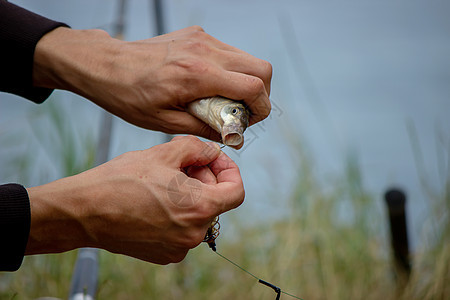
(210, 238)
(274, 287)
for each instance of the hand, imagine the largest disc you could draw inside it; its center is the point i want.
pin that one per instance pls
(150, 82)
(154, 204)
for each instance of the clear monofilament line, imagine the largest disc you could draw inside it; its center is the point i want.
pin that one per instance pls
(291, 295)
(235, 264)
(254, 276)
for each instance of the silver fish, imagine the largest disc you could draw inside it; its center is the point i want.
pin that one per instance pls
(229, 118)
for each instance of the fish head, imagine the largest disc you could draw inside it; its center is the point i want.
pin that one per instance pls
(235, 117)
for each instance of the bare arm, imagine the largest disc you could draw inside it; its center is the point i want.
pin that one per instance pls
(154, 204)
(149, 83)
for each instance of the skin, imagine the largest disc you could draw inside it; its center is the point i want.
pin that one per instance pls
(123, 206)
(150, 82)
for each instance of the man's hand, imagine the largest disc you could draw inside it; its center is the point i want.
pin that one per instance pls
(154, 204)
(150, 82)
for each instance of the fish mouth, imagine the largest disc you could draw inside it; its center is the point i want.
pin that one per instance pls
(232, 135)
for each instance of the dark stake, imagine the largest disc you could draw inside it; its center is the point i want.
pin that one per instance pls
(396, 202)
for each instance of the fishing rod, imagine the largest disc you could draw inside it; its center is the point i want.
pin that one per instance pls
(85, 276)
(159, 17)
(157, 11)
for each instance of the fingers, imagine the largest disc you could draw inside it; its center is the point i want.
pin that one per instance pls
(240, 86)
(202, 173)
(189, 150)
(245, 63)
(229, 192)
(220, 175)
(225, 169)
(188, 124)
(244, 77)
(249, 79)
(232, 73)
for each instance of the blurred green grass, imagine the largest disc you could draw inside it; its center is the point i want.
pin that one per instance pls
(314, 252)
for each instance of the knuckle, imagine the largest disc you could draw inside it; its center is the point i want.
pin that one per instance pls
(186, 139)
(197, 28)
(200, 35)
(177, 138)
(193, 66)
(200, 68)
(189, 139)
(256, 86)
(199, 45)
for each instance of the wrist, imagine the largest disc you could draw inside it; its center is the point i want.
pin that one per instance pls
(69, 59)
(56, 218)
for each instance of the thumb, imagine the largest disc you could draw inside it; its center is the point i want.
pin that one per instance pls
(191, 151)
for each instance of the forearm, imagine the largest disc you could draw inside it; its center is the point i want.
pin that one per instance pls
(73, 60)
(149, 83)
(57, 211)
(128, 205)
(89, 63)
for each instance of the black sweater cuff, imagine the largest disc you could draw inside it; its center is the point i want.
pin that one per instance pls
(15, 218)
(20, 31)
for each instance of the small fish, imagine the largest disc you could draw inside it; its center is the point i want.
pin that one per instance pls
(229, 118)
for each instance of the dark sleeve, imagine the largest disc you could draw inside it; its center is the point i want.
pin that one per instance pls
(15, 218)
(20, 30)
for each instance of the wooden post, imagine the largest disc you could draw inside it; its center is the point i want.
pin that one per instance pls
(396, 203)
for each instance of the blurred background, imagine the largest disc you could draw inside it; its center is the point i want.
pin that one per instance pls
(361, 102)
